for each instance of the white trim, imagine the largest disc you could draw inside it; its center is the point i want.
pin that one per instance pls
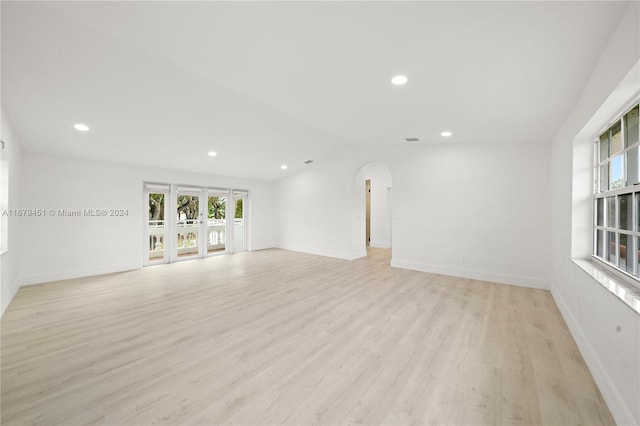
(517, 280)
(79, 273)
(244, 196)
(380, 244)
(155, 186)
(615, 194)
(621, 413)
(172, 191)
(151, 188)
(615, 281)
(6, 302)
(628, 106)
(226, 194)
(322, 252)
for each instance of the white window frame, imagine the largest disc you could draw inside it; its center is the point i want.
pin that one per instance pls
(628, 188)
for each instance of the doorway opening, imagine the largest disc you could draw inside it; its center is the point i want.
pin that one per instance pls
(372, 209)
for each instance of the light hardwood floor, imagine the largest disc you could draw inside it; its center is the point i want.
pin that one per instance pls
(278, 337)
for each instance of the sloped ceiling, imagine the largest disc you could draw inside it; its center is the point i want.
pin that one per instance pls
(271, 83)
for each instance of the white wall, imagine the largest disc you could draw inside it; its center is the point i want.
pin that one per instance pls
(66, 247)
(313, 205)
(605, 329)
(474, 210)
(9, 268)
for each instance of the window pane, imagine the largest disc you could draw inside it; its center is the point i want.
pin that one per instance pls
(626, 253)
(631, 127)
(633, 168)
(611, 247)
(611, 212)
(624, 211)
(599, 238)
(604, 177)
(604, 146)
(600, 212)
(616, 172)
(616, 138)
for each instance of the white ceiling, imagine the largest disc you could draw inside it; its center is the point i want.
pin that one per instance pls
(267, 83)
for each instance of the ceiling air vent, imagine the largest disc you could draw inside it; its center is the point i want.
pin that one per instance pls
(308, 162)
(412, 139)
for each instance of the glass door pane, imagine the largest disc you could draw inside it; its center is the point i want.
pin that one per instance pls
(239, 223)
(188, 220)
(156, 229)
(216, 222)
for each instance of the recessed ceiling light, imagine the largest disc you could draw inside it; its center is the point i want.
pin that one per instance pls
(81, 127)
(283, 167)
(212, 153)
(446, 134)
(399, 80)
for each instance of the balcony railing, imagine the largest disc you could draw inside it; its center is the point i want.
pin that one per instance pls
(187, 236)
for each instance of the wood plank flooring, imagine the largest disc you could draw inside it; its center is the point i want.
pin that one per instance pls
(278, 337)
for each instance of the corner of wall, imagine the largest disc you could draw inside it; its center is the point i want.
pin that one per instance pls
(584, 305)
(321, 252)
(607, 387)
(9, 260)
(8, 295)
(493, 277)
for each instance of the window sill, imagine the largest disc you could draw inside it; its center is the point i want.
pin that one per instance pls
(626, 292)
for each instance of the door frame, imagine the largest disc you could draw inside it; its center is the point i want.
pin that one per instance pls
(205, 245)
(171, 192)
(193, 191)
(154, 188)
(367, 213)
(238, 194)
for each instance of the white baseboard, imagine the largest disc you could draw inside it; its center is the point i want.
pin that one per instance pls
(471, 274)
(6, 302)
(380, 244)
(327, 253)
(260, 247)
(67, 275)
(619, 410)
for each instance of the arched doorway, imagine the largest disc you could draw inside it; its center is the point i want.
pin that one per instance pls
(372, 191)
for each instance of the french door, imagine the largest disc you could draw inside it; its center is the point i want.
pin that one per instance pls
(239, 221)
(216, 226)
(190, 222)
(156, 198)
